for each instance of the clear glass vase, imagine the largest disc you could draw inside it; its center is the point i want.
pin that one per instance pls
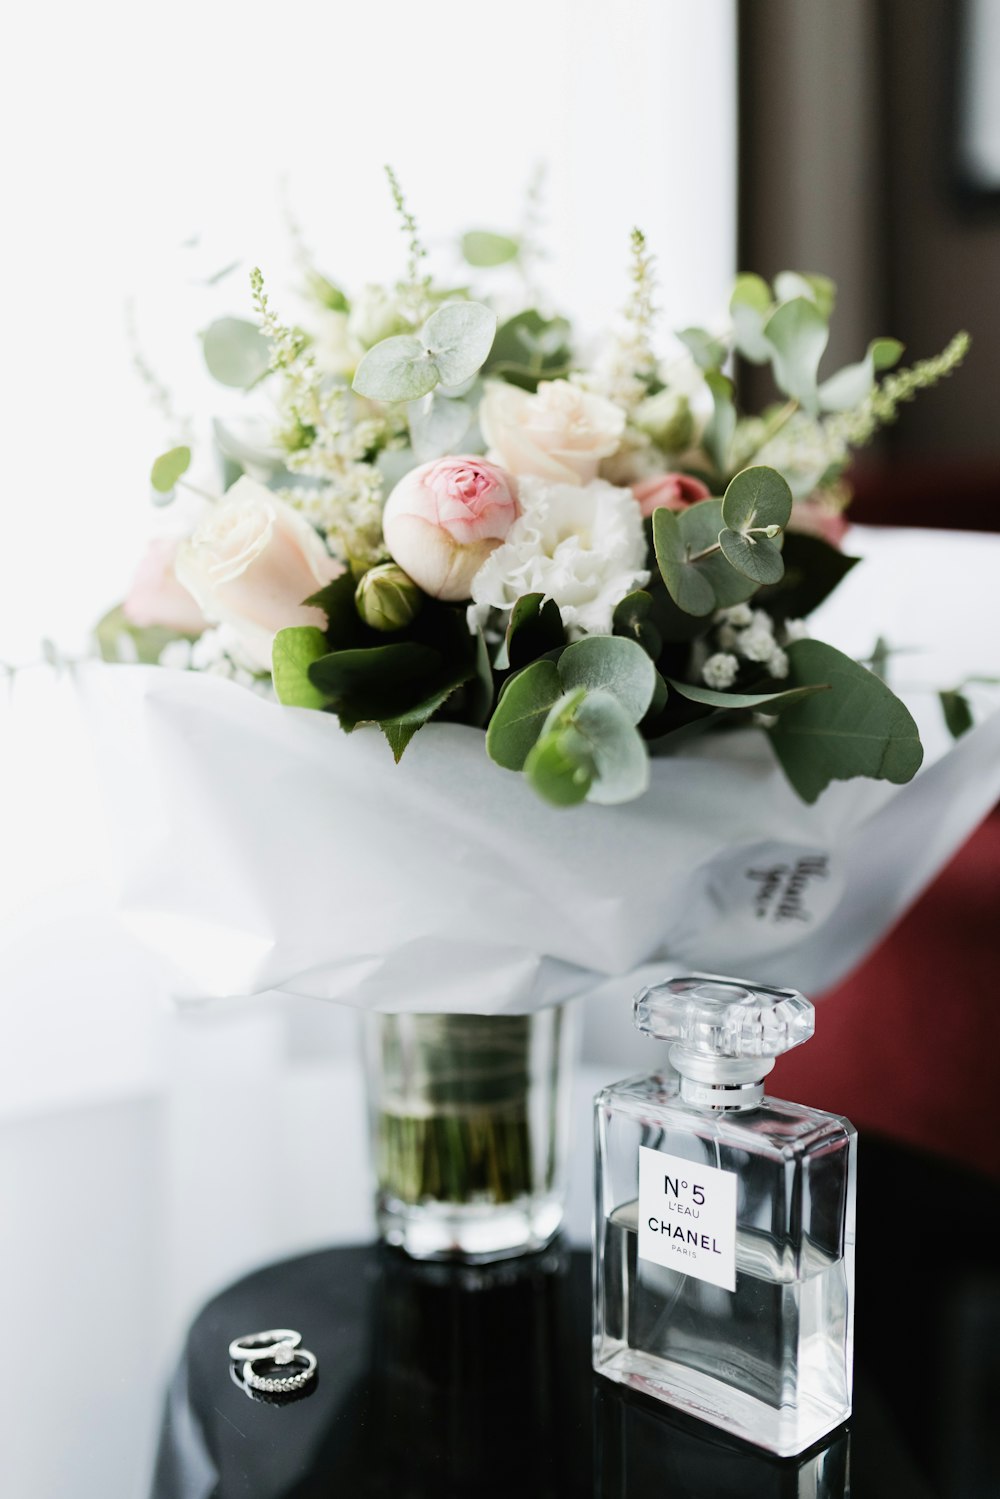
(469, 1123)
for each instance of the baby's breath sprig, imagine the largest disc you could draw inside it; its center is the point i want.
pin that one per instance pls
(415, 288)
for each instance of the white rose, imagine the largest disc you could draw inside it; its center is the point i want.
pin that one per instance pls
(583, 546)
(561, 433)
(250, 564)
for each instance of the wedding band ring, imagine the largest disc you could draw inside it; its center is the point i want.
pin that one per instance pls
(282, 1384)
(270, 1344)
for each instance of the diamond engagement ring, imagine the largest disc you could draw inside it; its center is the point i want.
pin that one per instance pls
(278, 1344)
(282, 1384)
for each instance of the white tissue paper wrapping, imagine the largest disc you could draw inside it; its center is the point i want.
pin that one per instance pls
(260, 848)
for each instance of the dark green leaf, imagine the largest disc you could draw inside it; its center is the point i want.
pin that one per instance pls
(294, 651)
(345, 627)
(957, 713)
(522, 710)
(633, 618)
(813, 569)
(381, 682)
(859, 728)
(535, 627)
(400, 729)
(773, 702)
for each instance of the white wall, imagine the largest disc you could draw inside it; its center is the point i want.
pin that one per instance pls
(133, 130)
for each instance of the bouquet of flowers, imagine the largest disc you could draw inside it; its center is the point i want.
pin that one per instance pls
(457, 519)
(457, 531)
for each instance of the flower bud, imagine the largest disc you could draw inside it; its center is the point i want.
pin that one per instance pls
(386, 598)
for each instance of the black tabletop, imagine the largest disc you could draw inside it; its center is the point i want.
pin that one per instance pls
(450, 1382)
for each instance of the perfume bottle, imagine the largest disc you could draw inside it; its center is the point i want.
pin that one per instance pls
(724, 1227)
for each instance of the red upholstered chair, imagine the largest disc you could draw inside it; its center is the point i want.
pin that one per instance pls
(909, 1046)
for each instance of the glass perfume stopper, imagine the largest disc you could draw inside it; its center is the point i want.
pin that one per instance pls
(725, 1033)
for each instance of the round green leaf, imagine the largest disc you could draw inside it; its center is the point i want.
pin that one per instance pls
(397, 369)
(699, 527)
(619, 752)
(754, 556)
(749, 307)
(481, 248)
(687, 584)
(522, 710)
(560, 768)
(168, 468)
(757, 496)
(458, 337)
(437, 425)
(236, 352)
(612, 663)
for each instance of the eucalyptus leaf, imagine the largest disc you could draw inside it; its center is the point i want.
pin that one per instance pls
(528, 348)
(798, 334)
(618, 750)
(699, 527)
(749, 307)
(522, 710)
(721, 426)
(613, 664)
(859, 728)
(634, 619)
(459, 337)
(482, 248)
(852, 384)
(708, 351)
(819, 289)
(772, 702)
(754, 556)
(168, 468)
(236, 352)
(757, 497)
(398, 369)
(560, 767)
(686, 583)
(294, 651)
(437, 425)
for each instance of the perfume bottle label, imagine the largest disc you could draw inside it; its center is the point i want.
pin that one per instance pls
(687, 1217)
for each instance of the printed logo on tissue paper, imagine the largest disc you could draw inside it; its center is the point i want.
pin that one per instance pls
(775, 890)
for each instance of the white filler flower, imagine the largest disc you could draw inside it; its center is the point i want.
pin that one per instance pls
(583, 546)
(720, 671)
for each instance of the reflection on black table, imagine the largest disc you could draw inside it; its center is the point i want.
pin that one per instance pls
(452, 1382)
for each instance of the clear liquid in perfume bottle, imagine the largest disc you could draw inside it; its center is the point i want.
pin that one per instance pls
(769, 1361)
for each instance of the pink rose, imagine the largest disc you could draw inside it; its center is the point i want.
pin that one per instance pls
(250, 564)
(813, 518)
(444, 519)
(670, 492)
(157, 598)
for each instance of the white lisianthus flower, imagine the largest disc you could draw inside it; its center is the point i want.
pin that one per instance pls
(583, 546)
(720, 671)
(560, 432)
